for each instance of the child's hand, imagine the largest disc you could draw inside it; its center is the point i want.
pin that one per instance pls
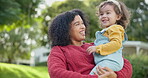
(91, 49)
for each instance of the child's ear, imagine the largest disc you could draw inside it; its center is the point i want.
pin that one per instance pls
(119, 17)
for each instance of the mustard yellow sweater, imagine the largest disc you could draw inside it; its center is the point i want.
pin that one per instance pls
(115, 33)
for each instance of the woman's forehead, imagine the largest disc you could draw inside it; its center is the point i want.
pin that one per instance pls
(77, 18)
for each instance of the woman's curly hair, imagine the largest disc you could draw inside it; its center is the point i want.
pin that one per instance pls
(59, 28)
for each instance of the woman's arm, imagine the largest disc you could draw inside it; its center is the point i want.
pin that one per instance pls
(126, 71)
(57, 66)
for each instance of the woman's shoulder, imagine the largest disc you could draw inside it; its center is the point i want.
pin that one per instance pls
(58, 50)
(55, 48)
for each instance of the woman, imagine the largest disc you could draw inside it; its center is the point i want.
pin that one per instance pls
(68, 57)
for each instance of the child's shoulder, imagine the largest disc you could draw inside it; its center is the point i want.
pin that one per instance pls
(115, 27)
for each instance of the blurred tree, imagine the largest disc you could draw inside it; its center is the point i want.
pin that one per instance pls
(18, 43)
(138, 29)
(18, 27)
(16, 10)
(9, 11)
(13, 45)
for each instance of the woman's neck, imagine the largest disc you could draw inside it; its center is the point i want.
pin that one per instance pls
(76, 43)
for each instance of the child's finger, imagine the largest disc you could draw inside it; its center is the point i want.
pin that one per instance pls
(87, 49)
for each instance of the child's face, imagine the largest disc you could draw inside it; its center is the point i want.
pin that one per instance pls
(108, 16)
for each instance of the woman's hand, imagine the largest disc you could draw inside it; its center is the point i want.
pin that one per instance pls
(112, 73)
(91, 49)
(105, 72)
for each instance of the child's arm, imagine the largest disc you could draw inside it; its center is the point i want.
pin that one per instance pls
(116, 36)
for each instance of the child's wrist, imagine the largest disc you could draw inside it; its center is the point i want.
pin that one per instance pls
(97, 49)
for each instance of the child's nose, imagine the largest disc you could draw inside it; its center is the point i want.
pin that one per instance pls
(104, 15)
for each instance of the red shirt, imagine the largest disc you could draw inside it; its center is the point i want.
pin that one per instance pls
(74, 62)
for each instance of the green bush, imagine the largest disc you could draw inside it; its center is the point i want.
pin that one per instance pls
(140, 65)
(41, 64)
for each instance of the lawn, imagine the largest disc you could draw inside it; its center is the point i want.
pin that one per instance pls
(22, 71)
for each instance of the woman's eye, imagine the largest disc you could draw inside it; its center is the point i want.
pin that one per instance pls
(76, 24)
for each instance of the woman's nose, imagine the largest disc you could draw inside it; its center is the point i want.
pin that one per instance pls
(83, 26)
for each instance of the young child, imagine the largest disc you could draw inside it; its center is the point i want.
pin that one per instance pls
(114, 18)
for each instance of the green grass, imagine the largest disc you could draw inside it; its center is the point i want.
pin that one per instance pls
(22, 71)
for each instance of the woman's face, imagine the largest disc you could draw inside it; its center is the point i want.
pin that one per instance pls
(77, 31)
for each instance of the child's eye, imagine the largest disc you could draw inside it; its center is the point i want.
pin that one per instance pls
(108, 13)
(101, 14)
